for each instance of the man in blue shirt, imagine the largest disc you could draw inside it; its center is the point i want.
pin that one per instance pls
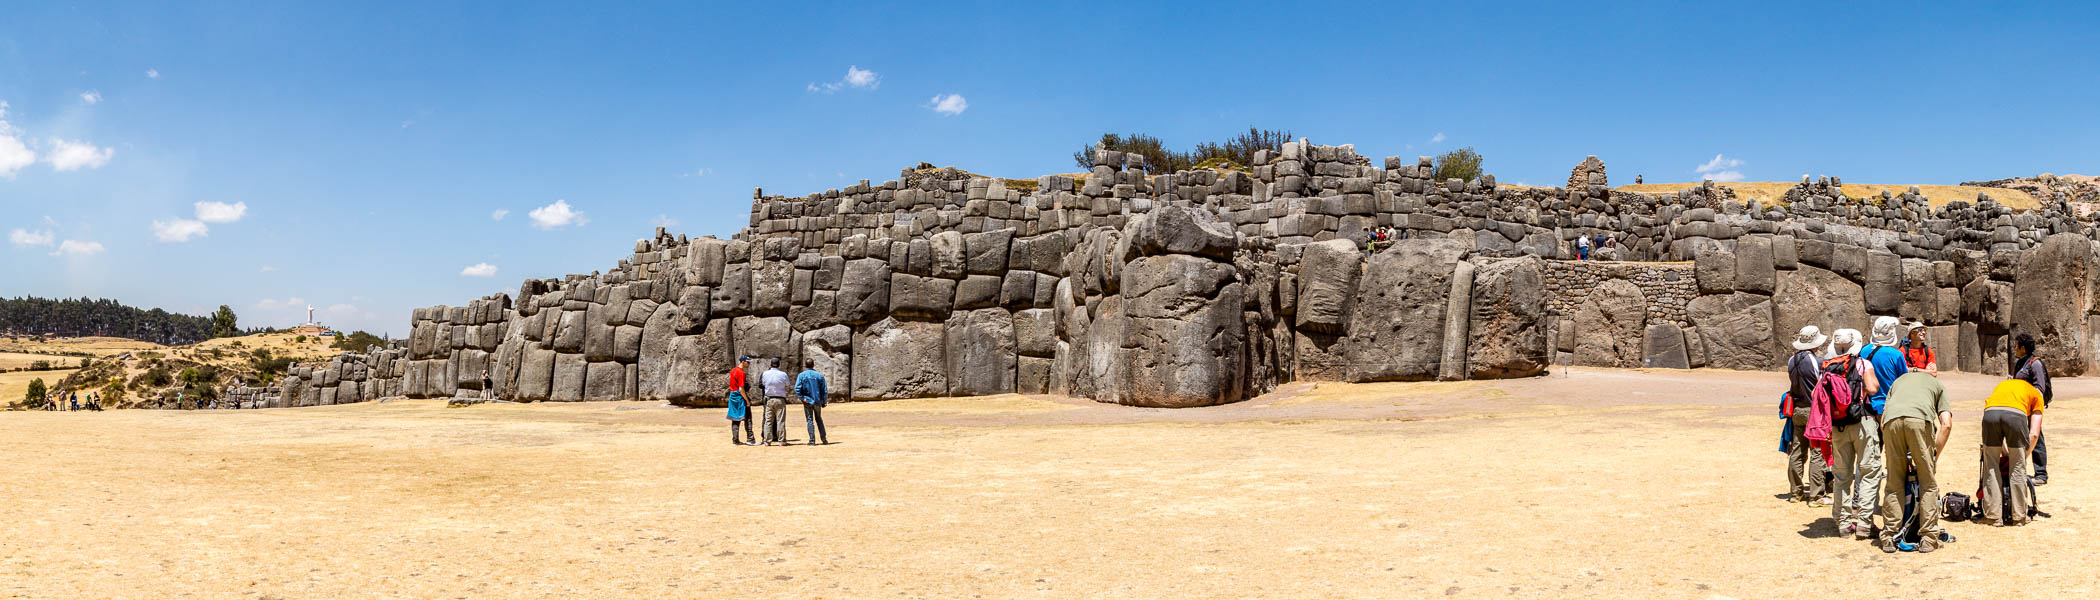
(810, 387)
(1886, 353)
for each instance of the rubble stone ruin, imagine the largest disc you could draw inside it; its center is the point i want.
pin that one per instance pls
(1204, 287)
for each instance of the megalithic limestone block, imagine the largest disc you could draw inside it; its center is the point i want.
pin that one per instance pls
(1398, 318)
(1458, 314)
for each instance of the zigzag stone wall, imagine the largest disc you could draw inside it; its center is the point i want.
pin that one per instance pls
(1204, 287)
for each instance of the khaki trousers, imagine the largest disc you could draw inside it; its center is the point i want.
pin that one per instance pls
(2004, 436)
(1857, 488)
(1804, 464)
(1908, 448)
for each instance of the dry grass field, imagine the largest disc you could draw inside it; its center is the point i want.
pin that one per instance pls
(1769, 191)
(13, 385)
(98, 346)
(1596, 484)
(23, 360)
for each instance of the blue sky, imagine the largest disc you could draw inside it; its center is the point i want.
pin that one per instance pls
(352, 156)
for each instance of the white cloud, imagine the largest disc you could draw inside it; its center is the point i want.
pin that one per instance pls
(153, 73)
(1721, 168)
(268, 269)
(479, 270)
(70, 155)
(1439, 137)
(949, 104)
(24, 238)
(499, 214)
(220, 212)
(700, 172)
(856, 77)
(77, 248)
(556, 215)
(179, 230)
(664, 221)
(13, 153)
(91, 97)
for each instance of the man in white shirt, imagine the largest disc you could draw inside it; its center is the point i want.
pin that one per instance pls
(776, 387)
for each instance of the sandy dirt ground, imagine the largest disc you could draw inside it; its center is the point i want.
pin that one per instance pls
(1593, 483)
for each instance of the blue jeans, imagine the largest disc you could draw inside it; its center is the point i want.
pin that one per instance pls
(813, 417)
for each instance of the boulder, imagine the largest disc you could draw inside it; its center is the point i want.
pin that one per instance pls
(2050, 301)
(569, 334)
(899, 359)
(1918, 290)
(1611, 326)
(1735, 332)
(1988, 304)
(980, 352)
(1663, 347)
(1103, 370)
(1396, 325)
(1507, 336)
(1812, 296)
(1185, 342)
(627, 343)
(1326, 280)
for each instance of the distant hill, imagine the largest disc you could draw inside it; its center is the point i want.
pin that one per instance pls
(83, 317)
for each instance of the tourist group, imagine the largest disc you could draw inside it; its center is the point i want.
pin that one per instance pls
(1867, 421)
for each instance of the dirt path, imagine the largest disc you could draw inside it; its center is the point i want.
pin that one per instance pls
(1598, 483)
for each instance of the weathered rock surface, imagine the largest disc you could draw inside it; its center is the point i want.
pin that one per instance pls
(1396, 326)
(1507, 336)
(1611, 326)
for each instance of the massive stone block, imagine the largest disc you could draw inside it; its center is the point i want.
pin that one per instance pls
(604, 382)
(1715, 268)
(864, 293)
(831, 349)
(949, 254)
(1327, 285)
(1035, 332)
(977, 291)
(899, 359)
(772, 283)
(569, 376)
(733, 296)
(1884, 291)
(1611, 326)
(1755, 269)
(654, 355)
(921, 297)
(1397, 321)
(1184, 333)
(1735, 331)
(2050, 301)
(980, 352)
(766, 338)
(986, 252)
(1663, 347)
(697, 367)
(1507, 336)
(1173, 229)
(1812, 296)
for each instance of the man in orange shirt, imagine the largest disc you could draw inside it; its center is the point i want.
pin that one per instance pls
(2012, 419)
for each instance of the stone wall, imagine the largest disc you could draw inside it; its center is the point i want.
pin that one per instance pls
(1203, 287)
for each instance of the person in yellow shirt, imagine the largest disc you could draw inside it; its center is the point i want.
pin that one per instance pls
(2012, 419)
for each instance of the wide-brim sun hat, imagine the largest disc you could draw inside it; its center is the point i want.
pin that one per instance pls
(1809, 338)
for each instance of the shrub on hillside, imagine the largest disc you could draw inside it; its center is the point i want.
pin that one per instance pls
(1462, 164)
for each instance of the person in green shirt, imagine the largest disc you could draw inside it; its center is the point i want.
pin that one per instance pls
(1915, 421)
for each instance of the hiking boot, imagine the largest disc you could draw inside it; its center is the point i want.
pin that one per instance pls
(2039, 479)
(1889, 547)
